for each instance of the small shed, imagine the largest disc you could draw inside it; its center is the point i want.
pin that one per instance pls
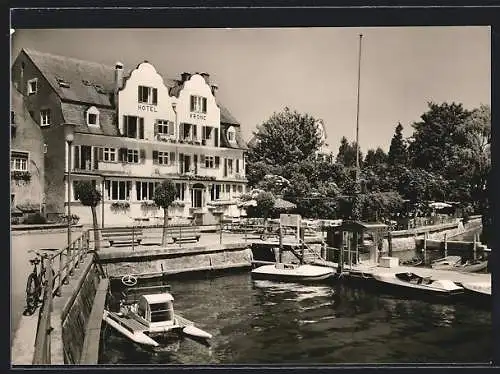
(360, 241)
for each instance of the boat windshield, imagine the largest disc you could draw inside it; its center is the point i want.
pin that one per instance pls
(161, 312)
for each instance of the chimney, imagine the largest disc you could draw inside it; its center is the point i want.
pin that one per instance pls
(185, 76)
(206, 76)
(118, 76)
(214, 88)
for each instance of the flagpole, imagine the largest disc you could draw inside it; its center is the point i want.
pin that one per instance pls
(357, 113)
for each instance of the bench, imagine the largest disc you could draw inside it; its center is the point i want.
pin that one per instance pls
(185, 234)
(122, 235)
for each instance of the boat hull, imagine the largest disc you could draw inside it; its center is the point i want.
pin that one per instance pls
(410, 290)
(304, 273)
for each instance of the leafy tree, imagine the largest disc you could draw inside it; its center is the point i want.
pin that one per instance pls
(398, 152)
(164, 196)
(436, 137)
(286, 137)
(86, 192)
(347, 153)
(375, 157)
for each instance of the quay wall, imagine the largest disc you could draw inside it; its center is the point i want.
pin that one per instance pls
(405, 240)
(169, 261)
(71, 314)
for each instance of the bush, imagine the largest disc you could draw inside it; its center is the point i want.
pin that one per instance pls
(34, 219)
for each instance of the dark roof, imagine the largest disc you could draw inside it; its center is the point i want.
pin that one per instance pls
(240, 144)
(83, 77)
(364, 226)
(76, 114)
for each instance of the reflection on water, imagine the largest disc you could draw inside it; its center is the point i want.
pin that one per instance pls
(256, 322)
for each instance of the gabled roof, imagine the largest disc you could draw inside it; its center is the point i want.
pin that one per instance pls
(93, 83)
(76, 114)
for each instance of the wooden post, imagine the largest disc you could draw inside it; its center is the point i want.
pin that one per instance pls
(425, 247)
(389, 241)
(445, 246)
(281, 245)
(133, 237)
(474, 248)
(341, 254)
(349, 255)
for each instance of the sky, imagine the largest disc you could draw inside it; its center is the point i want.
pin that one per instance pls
(311, 70)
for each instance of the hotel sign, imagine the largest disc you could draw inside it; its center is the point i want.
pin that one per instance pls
(147, 108)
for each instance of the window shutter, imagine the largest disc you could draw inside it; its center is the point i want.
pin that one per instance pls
(156, 128)
(216, 136)
(192, 103)
(204, 108)
(181, 162)
(203, 132)
(195, 131)
(101, 154)
(142, 156)
(217, 161)
(225, 167)
(155, 96)
(181, 130)
(172, 158)
(76, 151)
(170, 128)
(141, 128)
(139, 91)
(155, 157)
(122, 154)
(125, 126)
(237, 165)
(202, 161)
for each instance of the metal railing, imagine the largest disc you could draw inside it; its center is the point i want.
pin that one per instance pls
(69, 259)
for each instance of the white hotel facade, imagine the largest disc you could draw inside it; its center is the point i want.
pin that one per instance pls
(131, 131)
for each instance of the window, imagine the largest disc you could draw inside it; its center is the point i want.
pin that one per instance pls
(240, 189)
(12, 199)
(133, 156)
(163, 158)
(164, 127)
(19, 161)
(215, 192)
(207, 132)
(12, 117)
(109, 154)
(160, 312)
(198, 104)
(231, 134)
(133, 127)
(145, 190)
(32, 86)
(62, 83)
(209, 161)
(229, 166)
(118, 190)
(180, 190)
(93, 116)
(45, 117)
(237, 166)
(148, 95)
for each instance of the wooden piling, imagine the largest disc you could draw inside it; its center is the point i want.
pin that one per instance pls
(474, 247)
(445, 246)
(389, 241)
(425, 248)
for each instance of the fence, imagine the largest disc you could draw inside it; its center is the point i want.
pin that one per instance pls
(68, 258)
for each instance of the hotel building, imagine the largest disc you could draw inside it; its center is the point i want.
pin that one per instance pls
(131, 131)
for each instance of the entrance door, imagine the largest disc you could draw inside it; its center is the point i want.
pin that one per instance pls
(196, 198)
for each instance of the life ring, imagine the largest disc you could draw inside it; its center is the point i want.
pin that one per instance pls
(129, 280)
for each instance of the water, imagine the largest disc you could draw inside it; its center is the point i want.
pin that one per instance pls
(263, 322)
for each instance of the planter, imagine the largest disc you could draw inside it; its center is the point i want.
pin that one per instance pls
(20, 176)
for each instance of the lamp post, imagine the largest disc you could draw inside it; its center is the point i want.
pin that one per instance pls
(69, 136)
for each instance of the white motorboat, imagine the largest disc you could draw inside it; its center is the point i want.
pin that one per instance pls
(293, 272)
(149, 319)
(419, 285)
(481, 288)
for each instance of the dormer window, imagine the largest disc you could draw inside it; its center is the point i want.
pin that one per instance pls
(93, 116)
(198, 104)
(62, 83)
(32, 86)
(148, 95)
(231, 135)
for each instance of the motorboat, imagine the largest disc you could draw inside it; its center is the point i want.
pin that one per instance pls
(416, 261)
(148, 318)
(293, 272)
(446, 263)
(478, 288)
(421, 285)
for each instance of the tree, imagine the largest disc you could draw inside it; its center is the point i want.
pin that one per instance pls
(375, 157)
(347, 153)
(436, 138)
(86, 192)
(398, 152)
(286, 137)
(164, 196)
